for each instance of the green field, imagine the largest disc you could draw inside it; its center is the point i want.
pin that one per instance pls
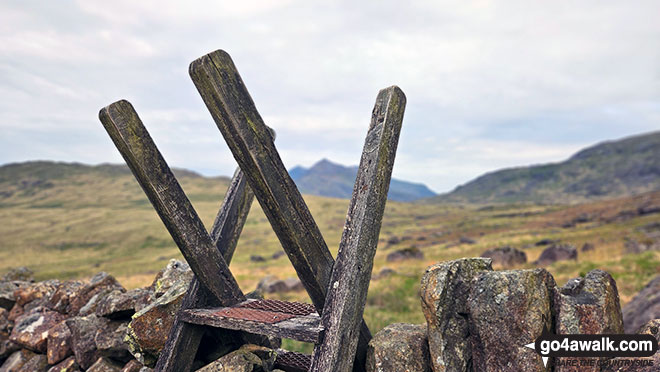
(73, 221)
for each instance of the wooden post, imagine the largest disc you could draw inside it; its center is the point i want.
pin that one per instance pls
(235, 114)
(175, 210)
(184, 338)
(347, 294)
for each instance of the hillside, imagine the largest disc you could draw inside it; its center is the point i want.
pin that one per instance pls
(611, 169)
(326, 178)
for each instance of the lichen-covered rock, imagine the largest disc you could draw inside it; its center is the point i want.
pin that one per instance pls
(31, 329)
(248, 358)
(507, 310)
(588, 305)
(175, 273)
(121, 305)
(88, 298)
(67, 365)
(110, 341)
(16, 361)
(59, 343)
(63, 296)
(644, 307)
(37, 363)
(444, 292)
(20, 273)
(506, 256)
(557, 252)
(104, 365)
(83, 333)
(646, 364)
(7, 289)
(399, 347)
(148, 330)
(132, 366)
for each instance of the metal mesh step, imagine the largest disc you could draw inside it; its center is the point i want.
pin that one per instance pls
(292, 361)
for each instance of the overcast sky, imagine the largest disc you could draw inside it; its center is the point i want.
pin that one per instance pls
(490, 84)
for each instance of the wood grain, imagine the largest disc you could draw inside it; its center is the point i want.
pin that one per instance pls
(347, 294)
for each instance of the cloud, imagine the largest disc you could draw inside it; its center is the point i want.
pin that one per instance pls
(489, 83)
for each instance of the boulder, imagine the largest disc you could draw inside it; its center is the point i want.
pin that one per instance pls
(89, 296)
(16, 361)
(36, 294)
(121, 305)
(645, 364)
(383, 273)
(644, 307)
(271, 284)
(466, 240)
(148, 330)
(18, 274)
(31, 329)
(444, 292)
(506, 256)
(65, 293)
(588, 305)
(507, 310)
(37, 363)
(7, 347)
(4, 320)
(257, 258)
(412, 253)
(7, 289)
(546, 241)
(132, 366)
(59, 343)
(67, 365)
(175, 273)
(557, 252)
(105, 365)
(110, 341)
(246, 359)
(393, 240)
(277, 255)
(83, 334)
(586, 247)
(399, 347)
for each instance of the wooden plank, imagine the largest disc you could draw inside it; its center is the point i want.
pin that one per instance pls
(249, 140)
(235, 114)
(175, 210)
(184, 338)
(347, 294)
(302, 328)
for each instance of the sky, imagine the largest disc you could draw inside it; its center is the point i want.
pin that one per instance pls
(489, 84)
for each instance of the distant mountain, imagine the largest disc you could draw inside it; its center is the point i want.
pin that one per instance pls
(610, 169)
(326, 178)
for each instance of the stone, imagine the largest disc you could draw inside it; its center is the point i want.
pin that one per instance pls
(61, 299)
(444, 293)
(59, 343)
(18, 274)
(644, 307)
(277, 255)
(4, 320)
(37, 363)
(271, 284)
(121, 305)
(588, 305)
(104, 365)
(67, 365)
(175, 273)
(110, 341)
(546, 241)
(257, 258)
(557, 252)
(132, 366)
(243, 360)
(7, 347)
(89, 296)
(642, 364)
(35, 294)
(412, 253)
(16, 361)
(506, 256)
(83, 334)
(586, 247)
(507, 310)
(7, 289)
(149, 327)
(393, 240)
(383, 273)
(31, 329)
(466, 240)
(399, 347)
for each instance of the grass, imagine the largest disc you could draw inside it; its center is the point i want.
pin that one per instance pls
(85, 223)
